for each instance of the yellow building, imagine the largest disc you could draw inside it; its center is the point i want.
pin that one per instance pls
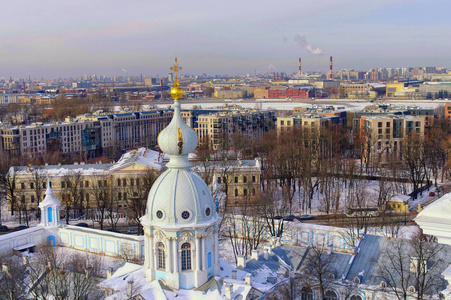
(399, 203)
(240, 179)
(123, 177)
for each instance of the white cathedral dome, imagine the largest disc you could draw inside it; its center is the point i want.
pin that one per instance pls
(179, 196)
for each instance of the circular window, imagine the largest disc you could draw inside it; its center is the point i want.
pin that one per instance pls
(185, 214)
(207, 211)
(159, 214)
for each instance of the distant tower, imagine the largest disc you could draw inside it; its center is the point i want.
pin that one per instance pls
(299, 66)
(330, 76)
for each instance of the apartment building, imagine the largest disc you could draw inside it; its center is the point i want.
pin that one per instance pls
(217, 129)
(384, 134)
(93, 135)
(380, 110)
(309, 123)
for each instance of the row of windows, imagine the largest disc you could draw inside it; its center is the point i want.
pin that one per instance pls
(244, 192)
(185, 256)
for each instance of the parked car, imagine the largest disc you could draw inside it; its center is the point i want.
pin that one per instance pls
(132, 231)
(82, 225)
(4, 228)
(306, 217)
(431, 194)
(289, 218)
(20, 227)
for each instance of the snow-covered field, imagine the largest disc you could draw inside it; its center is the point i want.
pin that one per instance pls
(347, 104)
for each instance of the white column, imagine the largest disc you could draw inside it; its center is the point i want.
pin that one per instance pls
(149, 250)
(203, 253)
(216, 247)
(168, 254)
(199, 252)
(175, 255)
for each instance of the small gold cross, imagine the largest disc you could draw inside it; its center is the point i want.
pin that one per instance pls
(176, 68)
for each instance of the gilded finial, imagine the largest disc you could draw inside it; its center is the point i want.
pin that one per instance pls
(176, 91)
(176, 68)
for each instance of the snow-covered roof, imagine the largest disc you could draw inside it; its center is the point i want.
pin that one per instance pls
(49, 199)
(400, 198)
(61, 170)
(143, 156)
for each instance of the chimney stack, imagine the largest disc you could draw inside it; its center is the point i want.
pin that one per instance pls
(299, 66)
(241, 261)
(228, 291)
(254, 254)
(248, 279)
(330, 76)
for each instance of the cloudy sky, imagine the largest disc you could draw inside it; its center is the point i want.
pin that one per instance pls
(61, 38)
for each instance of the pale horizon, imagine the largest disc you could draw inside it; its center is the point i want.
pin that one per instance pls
(54, 39)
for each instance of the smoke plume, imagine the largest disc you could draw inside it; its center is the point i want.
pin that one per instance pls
(302, 41)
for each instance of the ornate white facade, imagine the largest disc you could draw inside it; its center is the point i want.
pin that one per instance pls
(181, 223)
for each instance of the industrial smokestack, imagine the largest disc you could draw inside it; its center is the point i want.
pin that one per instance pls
(299, 66)
(330, 76)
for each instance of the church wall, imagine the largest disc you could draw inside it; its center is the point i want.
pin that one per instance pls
(99, 241)
(35, 235)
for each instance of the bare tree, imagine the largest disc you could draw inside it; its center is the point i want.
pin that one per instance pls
(13, 277)
(317, 269)
(137, 196)
(411, 268)
(59, 273)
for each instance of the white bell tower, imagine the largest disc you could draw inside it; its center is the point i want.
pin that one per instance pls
(50, 208)
(181, 223)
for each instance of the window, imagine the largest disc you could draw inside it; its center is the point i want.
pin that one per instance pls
(32, 199)
(118, 182)
(236, 192)
(244, 178)
(137, 182)
(253, 191)
(306, 293)
(236, 179)
(379, 124)
(355, 297)
(63, 184)
(219, 180)
(245, 192)
(132, 182)
(186, 256)
(253, 179)
(86, 183)
(119, 196)
(124, 182)
(161, 256)
(331, 295)
(22, 185)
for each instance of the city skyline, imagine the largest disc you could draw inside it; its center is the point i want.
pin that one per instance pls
(53, 39)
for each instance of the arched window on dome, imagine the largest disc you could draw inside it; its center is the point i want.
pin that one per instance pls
(331, 295)
(186, 256)
(306, 293)
(161, 256)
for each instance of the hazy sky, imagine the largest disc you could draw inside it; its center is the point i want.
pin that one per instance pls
(53, 38)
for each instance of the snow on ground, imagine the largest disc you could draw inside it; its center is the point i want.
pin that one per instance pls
(351, 105)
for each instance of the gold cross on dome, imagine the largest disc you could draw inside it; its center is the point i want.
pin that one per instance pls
(176, 68)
